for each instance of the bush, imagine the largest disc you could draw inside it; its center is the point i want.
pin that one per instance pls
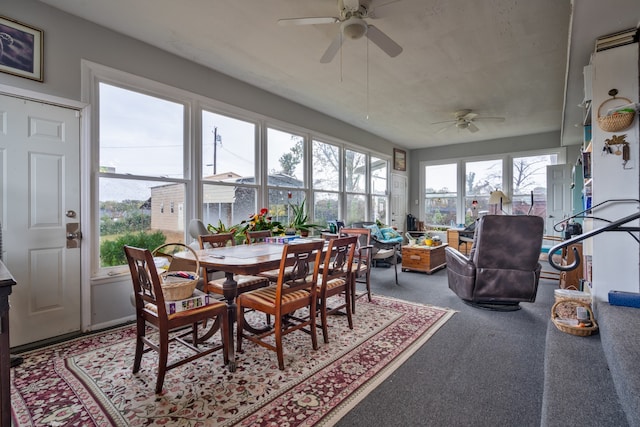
(112, 252)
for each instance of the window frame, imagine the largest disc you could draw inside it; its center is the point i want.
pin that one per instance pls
(507, 174)
(93, 74)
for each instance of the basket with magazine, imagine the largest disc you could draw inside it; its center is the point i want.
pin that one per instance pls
(574, 317)
(179, 278)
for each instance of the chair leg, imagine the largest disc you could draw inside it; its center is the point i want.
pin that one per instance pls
(239, 326)
(278, 339)
(323, 319)
(163, 350)
(347, 300)
(139, 345)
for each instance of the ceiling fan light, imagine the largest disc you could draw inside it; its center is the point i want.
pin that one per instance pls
(354, 28)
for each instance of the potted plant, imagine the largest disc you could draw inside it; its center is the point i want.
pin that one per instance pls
(300, 221)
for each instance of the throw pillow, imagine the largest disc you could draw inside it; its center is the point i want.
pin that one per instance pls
(375, 231)
(389, 233)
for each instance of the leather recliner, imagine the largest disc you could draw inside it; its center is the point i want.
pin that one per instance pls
(503, 267)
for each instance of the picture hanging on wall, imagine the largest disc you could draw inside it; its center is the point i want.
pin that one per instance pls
(399, 159)
(20, 49)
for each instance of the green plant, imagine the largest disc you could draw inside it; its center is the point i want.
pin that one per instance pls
(260, 221)
(221, 228)
(300, 220)
(112, 252)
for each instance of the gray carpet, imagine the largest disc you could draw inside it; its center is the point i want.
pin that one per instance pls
(482, 368)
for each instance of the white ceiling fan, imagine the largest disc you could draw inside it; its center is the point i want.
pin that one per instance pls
(464, 119)
(351, 16)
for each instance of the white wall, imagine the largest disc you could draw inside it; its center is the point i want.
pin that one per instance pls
(615, 254)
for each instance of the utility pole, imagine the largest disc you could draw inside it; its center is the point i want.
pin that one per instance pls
(216, 138)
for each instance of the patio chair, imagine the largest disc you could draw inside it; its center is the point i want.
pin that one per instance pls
(386, 244)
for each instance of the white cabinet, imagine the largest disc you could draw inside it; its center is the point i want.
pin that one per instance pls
(616, 255)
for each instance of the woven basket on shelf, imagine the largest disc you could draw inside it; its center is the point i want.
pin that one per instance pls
(566, 310)
(615, 122)
(174, 287)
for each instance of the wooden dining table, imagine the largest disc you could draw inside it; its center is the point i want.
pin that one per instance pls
(232, 260)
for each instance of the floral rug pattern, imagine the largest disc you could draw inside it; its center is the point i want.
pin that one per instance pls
(88, 381)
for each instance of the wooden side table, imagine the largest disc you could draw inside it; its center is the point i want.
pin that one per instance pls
(423, 258)
(6, 283)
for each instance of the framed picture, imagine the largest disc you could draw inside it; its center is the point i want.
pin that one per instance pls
(399, 159)
(20, 49)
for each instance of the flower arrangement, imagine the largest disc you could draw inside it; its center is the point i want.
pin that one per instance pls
(260, 221)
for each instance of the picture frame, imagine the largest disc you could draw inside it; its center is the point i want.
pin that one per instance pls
(399, 159)
(21, 49)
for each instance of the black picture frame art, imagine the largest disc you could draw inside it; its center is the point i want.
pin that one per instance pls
(21, 49)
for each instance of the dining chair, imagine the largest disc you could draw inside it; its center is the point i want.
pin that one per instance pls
(245, 282)
(335, 280)
(151, 310)
(361, 266)
(284, 298)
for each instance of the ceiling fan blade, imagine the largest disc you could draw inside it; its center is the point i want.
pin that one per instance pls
(444, 121)
(333, 48)
(308, 21)
(446, 127)
(469, 116)
(472, 128)
(493, 119)
(383, 41)
(375, 6)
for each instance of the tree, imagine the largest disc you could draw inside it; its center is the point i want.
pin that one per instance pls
(524, 172)
(289, 161)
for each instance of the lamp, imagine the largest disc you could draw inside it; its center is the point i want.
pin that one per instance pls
(497, 197)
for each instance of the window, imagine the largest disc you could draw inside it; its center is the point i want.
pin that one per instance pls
(166, 156)
(141, 177)
(326, 182)
(229, 186)
(530, 180)
(379, 199)
(519, 177)
(481, 178)
(355, 173)
(440, 197)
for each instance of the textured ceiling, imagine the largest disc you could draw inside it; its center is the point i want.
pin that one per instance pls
(505, 58)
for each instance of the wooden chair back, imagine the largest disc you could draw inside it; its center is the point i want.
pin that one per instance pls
(216, 240)
(257, 236)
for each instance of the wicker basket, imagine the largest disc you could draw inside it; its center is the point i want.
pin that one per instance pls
(175, 287)
(566, 310)
(615, 122)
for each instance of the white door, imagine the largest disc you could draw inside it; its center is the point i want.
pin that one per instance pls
(559, 181)
(40, 204)
(398, 201)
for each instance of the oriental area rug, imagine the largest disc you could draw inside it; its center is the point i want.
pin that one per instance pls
(88, 381)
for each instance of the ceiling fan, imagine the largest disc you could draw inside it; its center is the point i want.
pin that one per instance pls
(351, 16)
(464, 119)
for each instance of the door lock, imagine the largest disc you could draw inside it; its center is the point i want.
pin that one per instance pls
(73, 235)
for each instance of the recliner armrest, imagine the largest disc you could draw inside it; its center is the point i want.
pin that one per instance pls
(458, 262)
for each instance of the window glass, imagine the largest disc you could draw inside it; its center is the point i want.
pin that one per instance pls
(326, 207)
(378, 176)
(326, 166)
(356, 208)
(530, 177)
(280, 202)
(355, 170)
(481, 178)
(138, 213)
(441, 194)
(227, 204)
(285, 159)
(228, 147)
(140, 136)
